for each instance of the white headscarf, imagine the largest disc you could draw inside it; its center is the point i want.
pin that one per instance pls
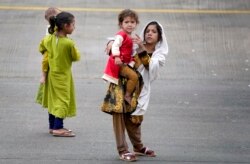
(157, 60)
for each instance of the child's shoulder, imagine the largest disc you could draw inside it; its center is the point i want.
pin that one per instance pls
(46, 38)
(122, 33)
(68, 41)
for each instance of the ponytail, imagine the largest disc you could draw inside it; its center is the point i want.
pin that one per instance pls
(52, 21)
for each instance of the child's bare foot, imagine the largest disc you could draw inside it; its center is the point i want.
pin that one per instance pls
(128, 99)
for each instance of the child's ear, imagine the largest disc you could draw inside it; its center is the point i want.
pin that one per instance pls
(66, 25)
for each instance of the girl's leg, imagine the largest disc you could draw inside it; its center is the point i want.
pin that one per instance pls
(134, 133)
(59, 131)
(51, 122)
(122, 147)
(119, 130)
(58, 124)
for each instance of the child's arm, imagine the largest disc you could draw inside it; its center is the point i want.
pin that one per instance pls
(75, 53)
(116, 45)
(116, 49)
(42, 47)
(109, 46)
(45, 62)
(137, 40)
(45, 67)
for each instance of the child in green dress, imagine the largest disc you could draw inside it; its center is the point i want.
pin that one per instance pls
(59, 92)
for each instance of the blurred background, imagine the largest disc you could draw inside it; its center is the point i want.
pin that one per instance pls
(199, 110)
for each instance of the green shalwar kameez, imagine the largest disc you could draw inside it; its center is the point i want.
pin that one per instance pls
(58, 92)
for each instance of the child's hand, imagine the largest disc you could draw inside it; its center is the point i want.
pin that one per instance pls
(42, 80)
(108, 47)
(118, 61)
(137, 40)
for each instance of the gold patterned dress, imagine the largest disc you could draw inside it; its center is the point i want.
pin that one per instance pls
(114, 99)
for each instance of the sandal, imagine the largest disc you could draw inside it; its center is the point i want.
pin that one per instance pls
(51, 130)
(62, 133)
(145, 151)
(127, 156)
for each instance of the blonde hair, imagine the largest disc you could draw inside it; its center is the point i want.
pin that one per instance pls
(51, 11)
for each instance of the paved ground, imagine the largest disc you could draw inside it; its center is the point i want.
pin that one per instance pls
(200, 108)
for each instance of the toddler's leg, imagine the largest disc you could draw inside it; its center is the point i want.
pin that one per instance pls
(132, 80)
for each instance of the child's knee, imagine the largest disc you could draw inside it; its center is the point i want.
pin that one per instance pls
(134, 77)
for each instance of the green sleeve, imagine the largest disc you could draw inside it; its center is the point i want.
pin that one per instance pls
(42, 48)
(75, 53)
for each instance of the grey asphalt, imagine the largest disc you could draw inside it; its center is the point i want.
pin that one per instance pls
(200, 106)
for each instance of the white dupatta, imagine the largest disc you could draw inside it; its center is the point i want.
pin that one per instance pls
(157, 60)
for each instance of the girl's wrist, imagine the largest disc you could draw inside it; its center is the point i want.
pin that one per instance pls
(142, 47)
(110, 41)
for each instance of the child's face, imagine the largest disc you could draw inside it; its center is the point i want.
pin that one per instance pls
(151, 34)
(69, 28)
(128, 25)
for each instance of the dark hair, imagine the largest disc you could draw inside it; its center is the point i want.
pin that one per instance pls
(59, 21)
(127, 13)
(158, 28)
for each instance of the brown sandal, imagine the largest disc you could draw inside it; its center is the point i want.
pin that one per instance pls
(127, 156)
(145, 151)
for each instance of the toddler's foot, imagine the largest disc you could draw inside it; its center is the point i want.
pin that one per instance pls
(128, 99)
